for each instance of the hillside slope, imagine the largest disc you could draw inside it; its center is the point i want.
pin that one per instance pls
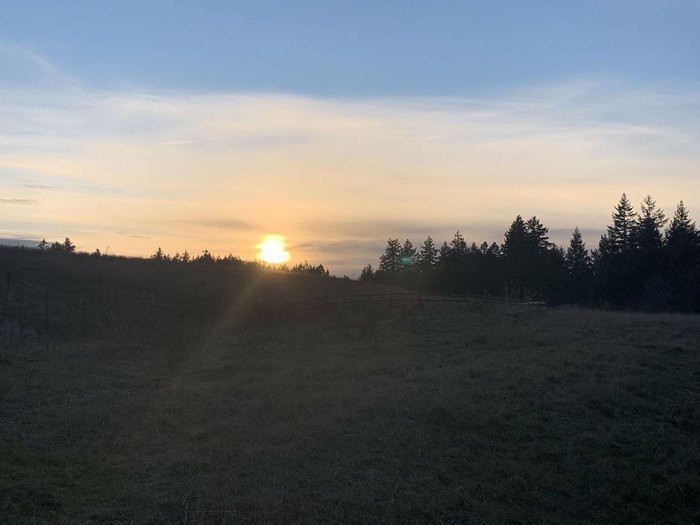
(370, 413)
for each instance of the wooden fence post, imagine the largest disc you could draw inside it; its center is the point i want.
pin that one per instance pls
(46, 311)
(8, 278)
(83, 318)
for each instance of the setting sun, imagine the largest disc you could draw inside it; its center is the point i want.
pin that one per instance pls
(273, 249)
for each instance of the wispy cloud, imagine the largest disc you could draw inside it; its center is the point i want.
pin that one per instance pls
(22, 66)
(22, 202)
(217, 170)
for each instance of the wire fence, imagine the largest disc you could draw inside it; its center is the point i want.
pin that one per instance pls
(46, 312)
(412, 297)
(54, 315)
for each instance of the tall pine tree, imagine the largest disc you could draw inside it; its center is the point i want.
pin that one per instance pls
(578, 267)
(390, 261)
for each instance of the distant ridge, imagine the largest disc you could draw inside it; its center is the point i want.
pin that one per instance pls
(19, 242)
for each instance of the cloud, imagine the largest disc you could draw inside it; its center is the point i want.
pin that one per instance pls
(218, 170)
(22, 202)
(22, 66)
(218, 223)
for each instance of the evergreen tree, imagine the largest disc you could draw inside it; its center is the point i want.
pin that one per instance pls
(407, 254)
(682, 241)
(537, 234)
(616, 262)
(43, 245)
(579, 267)
(649, 260)
(458, 245)
(516, 239)
(390, 261)
(68, 246)
(648, 227)
(367, 273)
(683, 261)
(427, 257)
(620, 236)
(516, 254)
(444, 252)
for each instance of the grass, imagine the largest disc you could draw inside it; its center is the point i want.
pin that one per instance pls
(456, 413)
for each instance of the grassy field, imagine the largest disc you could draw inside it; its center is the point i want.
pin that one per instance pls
(215, 411)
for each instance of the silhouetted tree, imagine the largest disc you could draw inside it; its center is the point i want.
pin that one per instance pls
(653, 291)
(206, 257)
(43, 245)
(427, 257)
(309, 269)
(617, 278)
(367, 274)
(452, 265)
(458, 246)
(620, 235)
(68, 246)
(579, 268)
(682, 241)
(427, 264)
(648, 235)
(390, 261)
(407, 255)
(683, 261)
(537, 235)
(517, 251)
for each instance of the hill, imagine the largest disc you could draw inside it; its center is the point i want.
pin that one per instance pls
(193, 403)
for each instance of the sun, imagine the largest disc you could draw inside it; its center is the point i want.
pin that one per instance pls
(273, 249)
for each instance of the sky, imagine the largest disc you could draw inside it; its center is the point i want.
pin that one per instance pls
(129, 126)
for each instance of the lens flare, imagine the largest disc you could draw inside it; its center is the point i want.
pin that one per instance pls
(273, 249)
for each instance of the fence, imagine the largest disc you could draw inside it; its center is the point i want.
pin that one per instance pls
(46, 312)
(408, 297)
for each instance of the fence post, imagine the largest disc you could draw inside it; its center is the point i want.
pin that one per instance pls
(8, 278)
(83, 318)
(46, 311)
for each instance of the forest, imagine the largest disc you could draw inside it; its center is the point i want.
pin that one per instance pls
(643, 262)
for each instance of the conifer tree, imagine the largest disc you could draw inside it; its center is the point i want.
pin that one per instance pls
(683, 261)
(620, 235)
(537, 234)
(579, 267)
(427, 257)
(515, 243)
(516, 251)
(367, 274)
(458, 245)
(648, 235)
(68, 246)
(682, 241)
(390, 261)
(407, 254)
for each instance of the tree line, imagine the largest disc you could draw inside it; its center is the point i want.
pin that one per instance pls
(67, 246)
(643, 261)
